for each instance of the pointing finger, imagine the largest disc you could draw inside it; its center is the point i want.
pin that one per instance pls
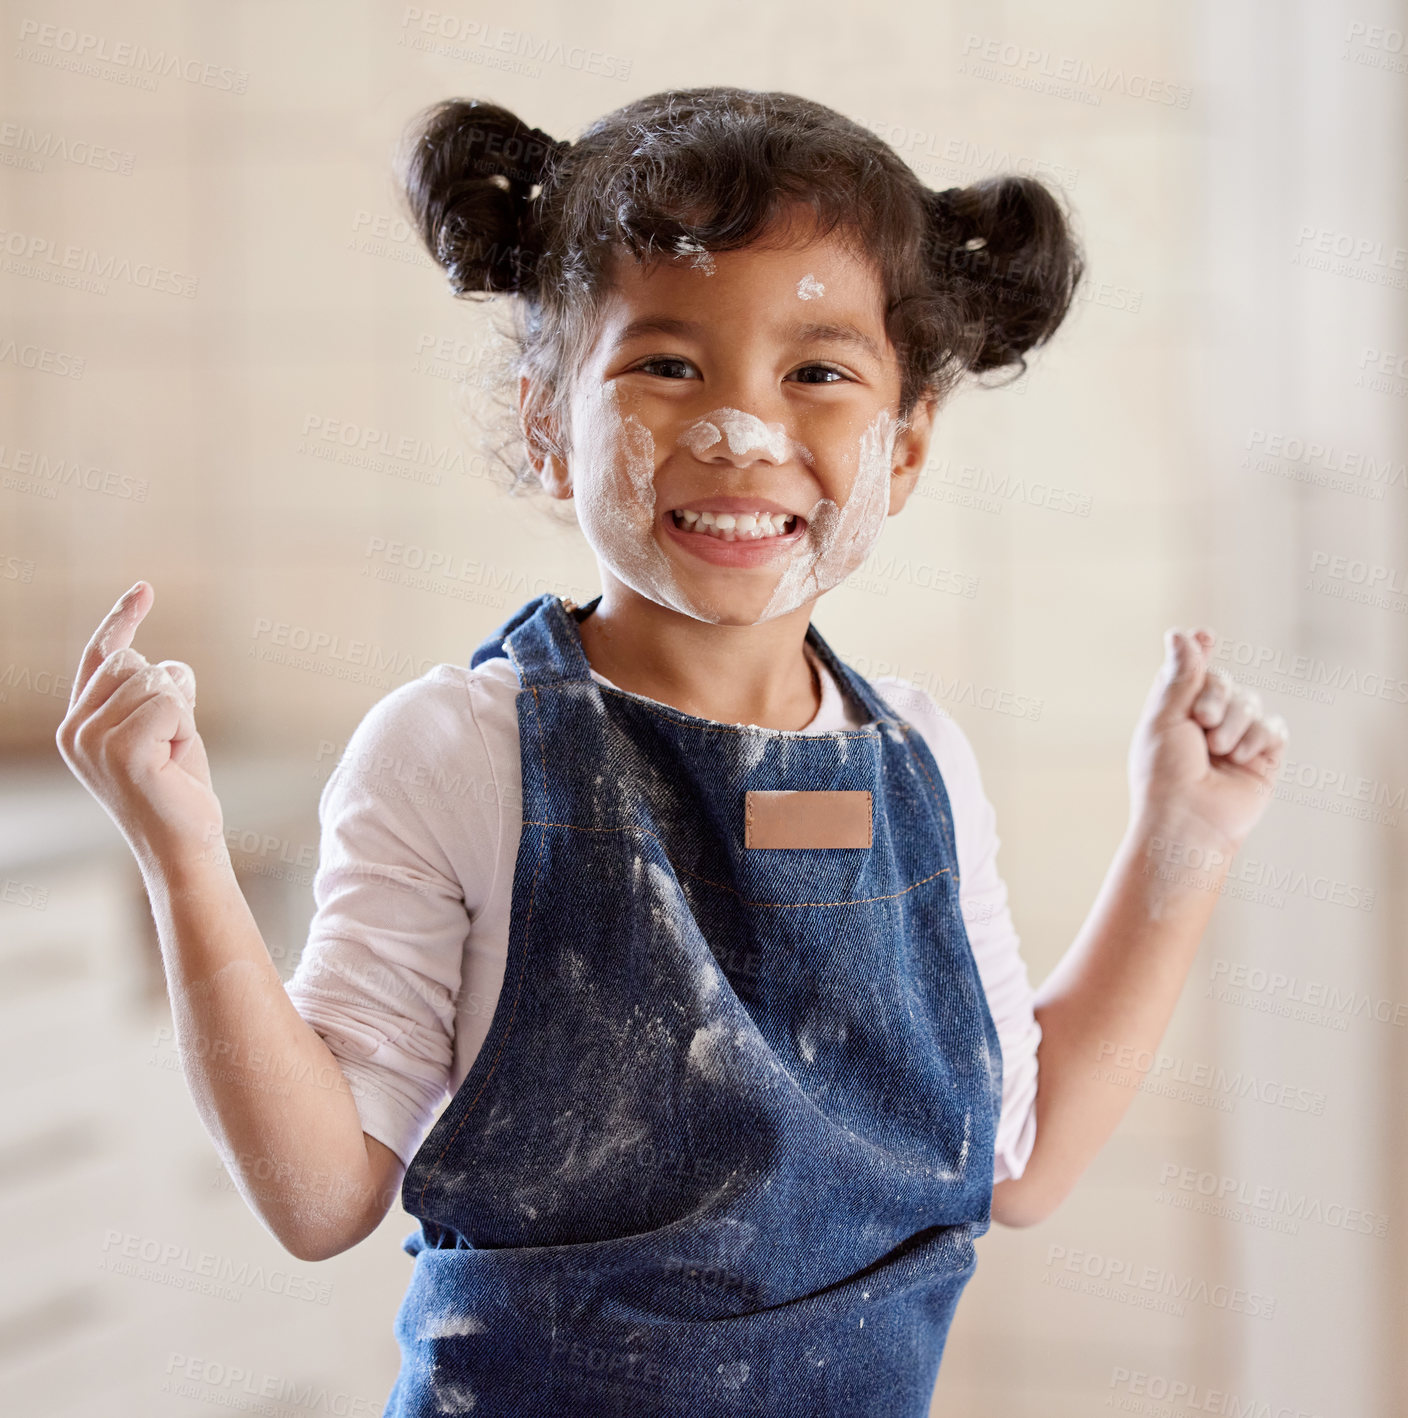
(114, 632)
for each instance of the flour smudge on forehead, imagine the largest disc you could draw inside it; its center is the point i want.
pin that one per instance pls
(809, 288)
(701, 258)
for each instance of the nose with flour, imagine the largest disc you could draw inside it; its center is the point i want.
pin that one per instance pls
(734, 436)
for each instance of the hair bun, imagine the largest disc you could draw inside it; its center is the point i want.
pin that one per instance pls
(467, 171)
(1007, 247)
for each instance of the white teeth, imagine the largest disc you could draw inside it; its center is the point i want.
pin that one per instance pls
(736, 526)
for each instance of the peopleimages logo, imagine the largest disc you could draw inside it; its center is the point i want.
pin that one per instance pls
(174, 1264)
(956, 691)
(1312, 460)
(1168, 1397)
(120, 61)
(1269, 883)
(326, 652)
(26, 147)
(1063, 75)
(1308, 676)
(42, 359)
(34, 470)
(1148, 1286)
(1199, 1082)
(236, 1386)
(965, 153)
(40, 258)
(1293, 997)
(1347, 253)
(1235, 1197)
(476, 41)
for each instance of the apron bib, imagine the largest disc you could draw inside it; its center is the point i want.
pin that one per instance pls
(729, 1140)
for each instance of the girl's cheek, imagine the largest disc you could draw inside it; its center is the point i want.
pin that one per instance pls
(614, 481)
(840, 535)
(614, 467)
(862, 516)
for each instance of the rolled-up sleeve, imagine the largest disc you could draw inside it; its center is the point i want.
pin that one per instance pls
(380, 974)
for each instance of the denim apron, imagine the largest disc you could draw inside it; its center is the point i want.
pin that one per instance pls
(729, 1140)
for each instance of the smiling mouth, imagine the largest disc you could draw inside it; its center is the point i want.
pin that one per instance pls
(737, 526)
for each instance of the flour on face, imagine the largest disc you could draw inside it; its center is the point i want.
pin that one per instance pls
(701, 258)
(617, 508)
(746, 433)
(616, 501)
(839, 538)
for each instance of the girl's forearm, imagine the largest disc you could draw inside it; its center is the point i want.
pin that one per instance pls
(271, 1094)
(1105, 1007)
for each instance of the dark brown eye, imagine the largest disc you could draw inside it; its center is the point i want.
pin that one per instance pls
(825, 369)
(645, 365)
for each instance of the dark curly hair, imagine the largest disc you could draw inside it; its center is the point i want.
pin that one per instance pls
(974, 277)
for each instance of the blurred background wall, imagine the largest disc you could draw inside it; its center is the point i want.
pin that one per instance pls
(227, 367)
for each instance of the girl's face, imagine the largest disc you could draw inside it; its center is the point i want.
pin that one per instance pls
(734, 445)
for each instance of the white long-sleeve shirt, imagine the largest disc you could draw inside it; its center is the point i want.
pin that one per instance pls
(420, 822)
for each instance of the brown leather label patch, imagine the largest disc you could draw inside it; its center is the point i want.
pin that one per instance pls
(839, 818)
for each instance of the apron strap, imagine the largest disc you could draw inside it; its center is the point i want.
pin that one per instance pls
(540, 641)
(859, 687)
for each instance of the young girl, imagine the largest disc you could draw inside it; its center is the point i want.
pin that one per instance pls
(702, 930)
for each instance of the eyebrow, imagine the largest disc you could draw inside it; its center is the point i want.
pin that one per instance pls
(799, 332)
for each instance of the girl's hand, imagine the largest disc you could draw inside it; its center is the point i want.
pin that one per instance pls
(130, 738)
(1204, 756)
